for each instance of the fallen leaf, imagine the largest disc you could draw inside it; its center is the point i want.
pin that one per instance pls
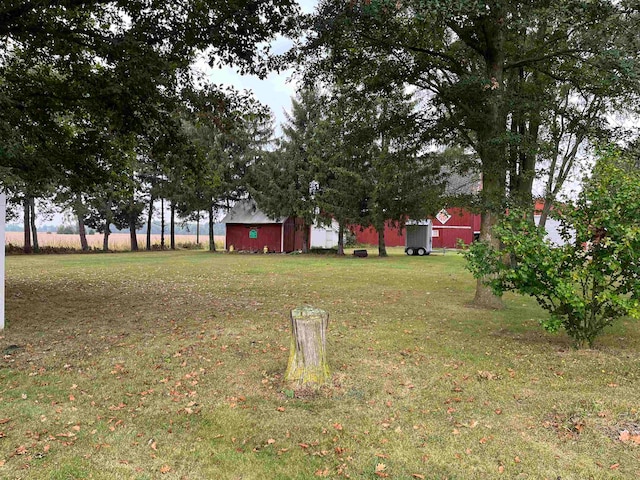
(4, 420)
(615, 466)
(154, 446)
(280, 409)
(271, 441)
(165, 469)
(337, 426)
(501, 469)
(417, 475)
(381, 467)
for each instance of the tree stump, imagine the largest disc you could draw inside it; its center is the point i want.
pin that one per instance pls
(307, 359)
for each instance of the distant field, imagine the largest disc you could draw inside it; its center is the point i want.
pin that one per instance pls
(117, 241)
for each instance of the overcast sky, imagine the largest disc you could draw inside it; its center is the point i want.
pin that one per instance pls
(274, 91)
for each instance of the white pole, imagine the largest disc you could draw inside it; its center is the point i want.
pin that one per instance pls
(3, 211)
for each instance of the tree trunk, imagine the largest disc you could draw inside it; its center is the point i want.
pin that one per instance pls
(105, 239)
(305, 238)
(27, 225)
(544, 214)
(133, 224)
(149, 218)
(212, 238)
(173, 226)
(82, 231)
(107, 226)
(491, 147)
(382, 248)
(307, 364)
(132, 234)
(34, 229)
(340, 239)
(198, 229)
(485, 297)
(162, 223)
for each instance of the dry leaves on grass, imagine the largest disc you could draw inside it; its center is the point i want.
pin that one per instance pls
(380, 470)
(627, 437)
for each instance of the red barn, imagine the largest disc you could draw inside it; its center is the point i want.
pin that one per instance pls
(393, 237)
(449, 226)
(453, 224)
(250, 229)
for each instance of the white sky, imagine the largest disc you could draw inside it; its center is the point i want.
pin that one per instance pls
(276, 90)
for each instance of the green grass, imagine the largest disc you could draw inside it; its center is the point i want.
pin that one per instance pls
(132, 365)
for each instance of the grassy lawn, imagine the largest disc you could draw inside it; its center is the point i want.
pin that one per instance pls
(169, 365)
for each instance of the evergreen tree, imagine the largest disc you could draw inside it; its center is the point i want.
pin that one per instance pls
(285, 181)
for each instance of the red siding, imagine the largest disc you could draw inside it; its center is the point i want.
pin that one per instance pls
(462, 225)
(369, 236)
(268, 234)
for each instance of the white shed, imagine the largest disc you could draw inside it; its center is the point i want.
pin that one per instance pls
(325, 236)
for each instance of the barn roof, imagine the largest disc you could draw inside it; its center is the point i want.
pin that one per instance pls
(457, 184)
(246, 211)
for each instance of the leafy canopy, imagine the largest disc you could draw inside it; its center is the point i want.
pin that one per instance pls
(594, 277)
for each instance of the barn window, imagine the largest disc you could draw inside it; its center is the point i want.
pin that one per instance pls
(253, 233)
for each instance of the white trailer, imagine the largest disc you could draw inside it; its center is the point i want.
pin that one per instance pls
(418, 237)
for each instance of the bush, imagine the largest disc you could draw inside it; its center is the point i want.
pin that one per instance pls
(323, 251)
(190, 246)
(591, 280)
(67, 229)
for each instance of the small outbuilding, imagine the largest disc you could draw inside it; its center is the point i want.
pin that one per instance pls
(250, 229)
(325, 236)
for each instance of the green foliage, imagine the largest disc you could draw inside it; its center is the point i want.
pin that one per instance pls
(284, 182)
(67, 229)
(594, 277)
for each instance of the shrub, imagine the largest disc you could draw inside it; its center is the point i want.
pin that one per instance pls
(323, 251)
(190, 246)
(594, 277)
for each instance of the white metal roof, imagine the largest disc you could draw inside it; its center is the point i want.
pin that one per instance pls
(246, 211)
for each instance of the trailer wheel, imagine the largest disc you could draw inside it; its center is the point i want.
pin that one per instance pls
(410, 251)
(422, 252)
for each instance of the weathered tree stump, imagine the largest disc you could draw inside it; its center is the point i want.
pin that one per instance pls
(307, 359)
